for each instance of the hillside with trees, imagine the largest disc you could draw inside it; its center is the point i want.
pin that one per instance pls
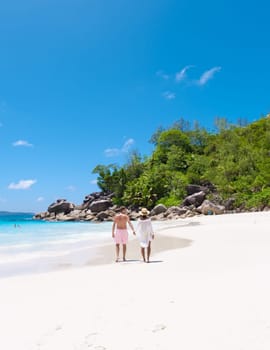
(233, 161)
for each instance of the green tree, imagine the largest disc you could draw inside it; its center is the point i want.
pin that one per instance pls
(168, 142)
(235, 159)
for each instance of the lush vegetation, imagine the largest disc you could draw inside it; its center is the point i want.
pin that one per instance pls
(235, 159)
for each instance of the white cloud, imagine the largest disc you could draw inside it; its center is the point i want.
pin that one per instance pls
(22, 143)
(162, 75)
(182, 74)
(40, 199)
(93, 182)
(127, 145)
(168, 95)
(114, 152)
(22, 185)
(207, 75)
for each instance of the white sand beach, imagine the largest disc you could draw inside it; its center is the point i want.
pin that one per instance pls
(207, 287)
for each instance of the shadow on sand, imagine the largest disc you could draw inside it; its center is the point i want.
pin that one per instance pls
(180, 225)
(106, 253)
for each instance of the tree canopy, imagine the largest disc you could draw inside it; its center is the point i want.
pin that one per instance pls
(234, 158)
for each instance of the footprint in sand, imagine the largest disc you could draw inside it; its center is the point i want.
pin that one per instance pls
(45, 337)
(89, 341)
(158, 328)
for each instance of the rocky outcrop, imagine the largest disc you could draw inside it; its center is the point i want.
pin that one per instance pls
(191, 189)
(209, 208)
(195, 199)
(93, 197)
(61, 206)
(98, 206)
(42, 216)
(229, 204)
(175, 211)
(64, 217)
(158, 209)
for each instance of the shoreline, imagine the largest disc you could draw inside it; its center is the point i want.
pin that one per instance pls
(79, 250)
(105, 254)
(211, 295)
(101, 253)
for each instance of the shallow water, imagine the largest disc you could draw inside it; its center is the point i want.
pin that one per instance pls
(28, 246)
(31, 246)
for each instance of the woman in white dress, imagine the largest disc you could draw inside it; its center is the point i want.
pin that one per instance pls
(145, 233)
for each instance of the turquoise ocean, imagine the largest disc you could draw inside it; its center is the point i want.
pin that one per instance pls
(31, 246)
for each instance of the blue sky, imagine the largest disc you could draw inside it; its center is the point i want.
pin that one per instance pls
(83, 82)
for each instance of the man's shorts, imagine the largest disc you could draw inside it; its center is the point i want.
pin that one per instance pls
(121, 236)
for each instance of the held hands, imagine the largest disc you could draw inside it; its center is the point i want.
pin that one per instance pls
(153, 236)
(134, 233)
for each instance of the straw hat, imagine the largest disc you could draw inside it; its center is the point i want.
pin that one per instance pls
(144, 212)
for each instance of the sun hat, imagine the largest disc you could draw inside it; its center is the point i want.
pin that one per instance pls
(144, 212)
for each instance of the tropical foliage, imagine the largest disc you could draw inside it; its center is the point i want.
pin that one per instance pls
(234, 158)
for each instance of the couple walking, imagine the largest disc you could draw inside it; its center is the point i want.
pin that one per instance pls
(144, 231)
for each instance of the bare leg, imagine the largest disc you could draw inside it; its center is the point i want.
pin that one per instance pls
(143, 253)
(148, 251)
(117, 248)
(124, 252)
